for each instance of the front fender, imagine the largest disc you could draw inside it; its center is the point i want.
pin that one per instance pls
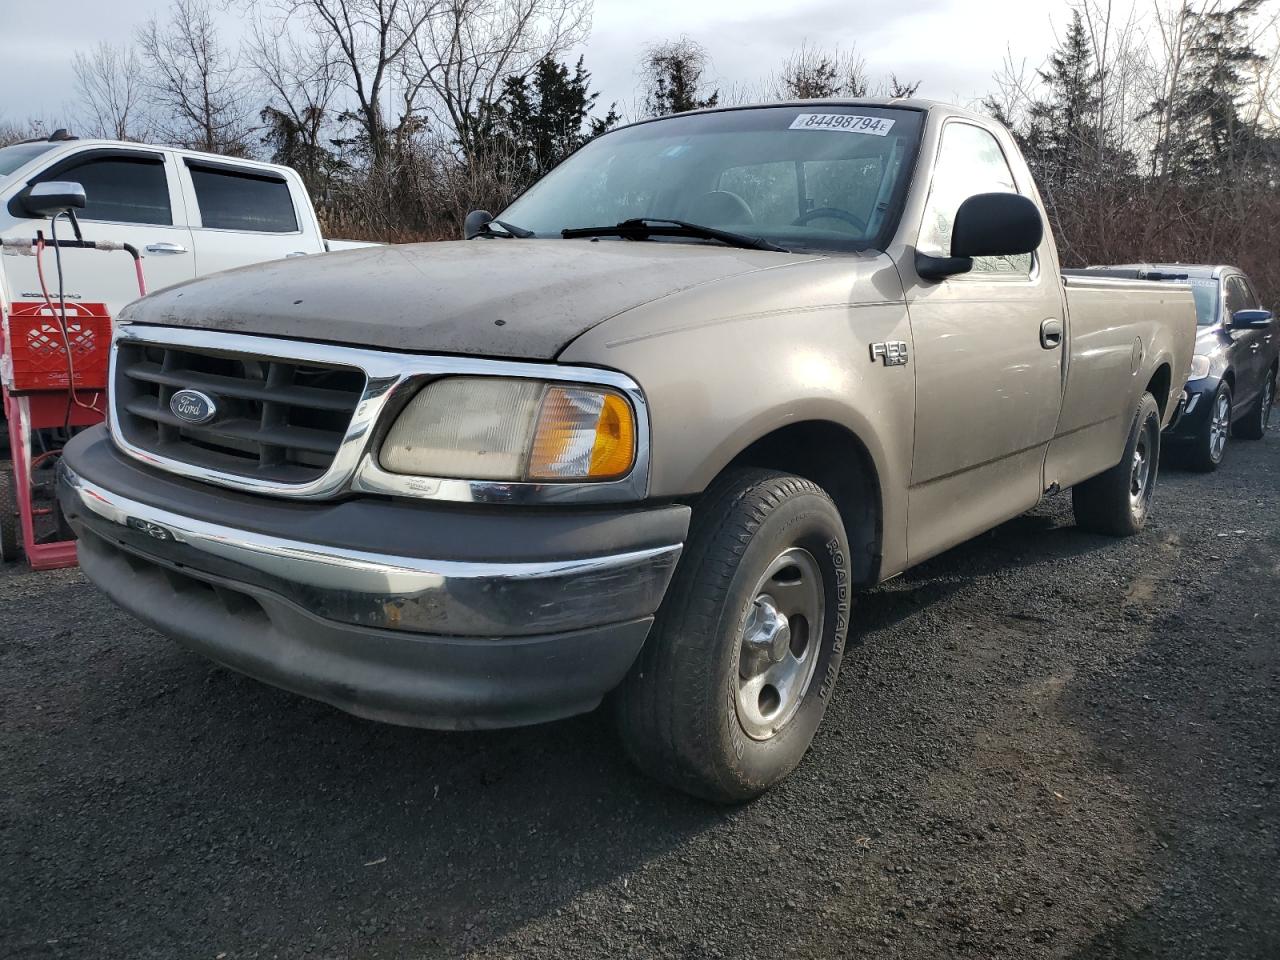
(714, 387)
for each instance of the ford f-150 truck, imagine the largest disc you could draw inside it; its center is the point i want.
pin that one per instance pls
(644, 436)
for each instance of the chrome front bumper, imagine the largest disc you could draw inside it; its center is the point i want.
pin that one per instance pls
(471, 641)
(455, 598)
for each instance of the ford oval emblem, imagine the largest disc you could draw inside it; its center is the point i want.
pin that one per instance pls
(194, 407)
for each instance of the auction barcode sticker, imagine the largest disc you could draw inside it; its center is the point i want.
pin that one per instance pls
(843, 122)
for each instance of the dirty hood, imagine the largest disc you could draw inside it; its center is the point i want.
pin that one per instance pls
(498, 298)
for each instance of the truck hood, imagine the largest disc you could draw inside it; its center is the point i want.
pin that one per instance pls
(498, 298)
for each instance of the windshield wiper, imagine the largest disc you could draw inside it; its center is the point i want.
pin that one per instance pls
(644, 228)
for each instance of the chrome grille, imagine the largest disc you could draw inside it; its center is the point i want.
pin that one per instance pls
(278, 420)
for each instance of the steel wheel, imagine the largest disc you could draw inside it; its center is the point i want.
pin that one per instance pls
(778, 653)
(1219, 427)
(1142, 471)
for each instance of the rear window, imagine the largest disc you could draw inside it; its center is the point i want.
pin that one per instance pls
(230, 200)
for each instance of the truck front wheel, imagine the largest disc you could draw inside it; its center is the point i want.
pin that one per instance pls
(1117, 502)
(732, 683)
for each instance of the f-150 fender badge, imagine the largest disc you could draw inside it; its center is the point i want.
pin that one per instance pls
(893, 353)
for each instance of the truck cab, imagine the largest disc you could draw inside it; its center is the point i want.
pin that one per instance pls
(189, 214)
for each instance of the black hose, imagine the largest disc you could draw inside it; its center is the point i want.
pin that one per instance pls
(62, 317)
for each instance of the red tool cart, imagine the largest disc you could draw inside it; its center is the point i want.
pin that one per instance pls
(53, 371)
(39, 396)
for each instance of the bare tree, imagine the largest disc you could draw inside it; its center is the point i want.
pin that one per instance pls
(302, 80)
(674, 78)
(897, 89)
(369, 40)
(811, 73)
(196, 84)
(12, 131)
(468, 48)
(109, 90)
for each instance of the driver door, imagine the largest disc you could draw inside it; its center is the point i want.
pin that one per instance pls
(989, 380)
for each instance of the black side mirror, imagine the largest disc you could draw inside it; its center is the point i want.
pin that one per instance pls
(987, 225)
(996, 225)
(53, 197)
(475, 223)
(1251, 319)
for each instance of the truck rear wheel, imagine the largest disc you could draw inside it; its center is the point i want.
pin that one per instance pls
(734, 680)
(1117, 502)
(8, 518)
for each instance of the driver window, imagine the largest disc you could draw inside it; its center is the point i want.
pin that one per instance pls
(1251, 295)
(970, 162)
(120, 189)
(1237, 298)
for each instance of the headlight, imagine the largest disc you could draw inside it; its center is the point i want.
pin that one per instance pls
(491, 428)
(1199, 368)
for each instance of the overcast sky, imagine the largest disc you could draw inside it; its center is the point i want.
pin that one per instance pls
(952, 46)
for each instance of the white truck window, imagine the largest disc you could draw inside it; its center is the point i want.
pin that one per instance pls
(120, 189)
(231, 200)
(970, 162)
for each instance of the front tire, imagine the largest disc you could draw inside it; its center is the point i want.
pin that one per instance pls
(734, 680)
(1210, 445)
(1254, 426)
(1117, 502)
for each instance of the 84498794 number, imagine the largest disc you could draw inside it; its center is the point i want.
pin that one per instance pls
(842, 122)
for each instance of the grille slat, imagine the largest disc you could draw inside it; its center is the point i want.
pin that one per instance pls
(296, 438)
(315, 397)
(276, 419)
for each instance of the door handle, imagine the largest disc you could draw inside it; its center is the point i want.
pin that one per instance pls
(165, 247)
(1051, 334)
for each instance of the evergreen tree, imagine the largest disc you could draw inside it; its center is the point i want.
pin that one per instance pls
(1062, 133)
(296, 143)
(540, 119)
(1208, 115)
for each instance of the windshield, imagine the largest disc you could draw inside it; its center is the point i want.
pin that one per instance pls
(812, 177)
(11, 158)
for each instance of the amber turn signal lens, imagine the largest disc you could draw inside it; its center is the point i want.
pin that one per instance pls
(615, 446)
(583, 433)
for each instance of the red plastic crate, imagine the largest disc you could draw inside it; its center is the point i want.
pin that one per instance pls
(34, 343)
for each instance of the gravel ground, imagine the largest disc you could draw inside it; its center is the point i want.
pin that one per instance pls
(1049, 744)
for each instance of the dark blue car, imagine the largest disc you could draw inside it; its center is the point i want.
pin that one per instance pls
(1232, 385)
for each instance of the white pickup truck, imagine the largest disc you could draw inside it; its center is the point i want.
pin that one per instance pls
(188, 213)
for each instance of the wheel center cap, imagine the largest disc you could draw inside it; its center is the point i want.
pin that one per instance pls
(773, 631)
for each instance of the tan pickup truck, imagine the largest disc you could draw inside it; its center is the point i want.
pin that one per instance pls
(644, 435)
